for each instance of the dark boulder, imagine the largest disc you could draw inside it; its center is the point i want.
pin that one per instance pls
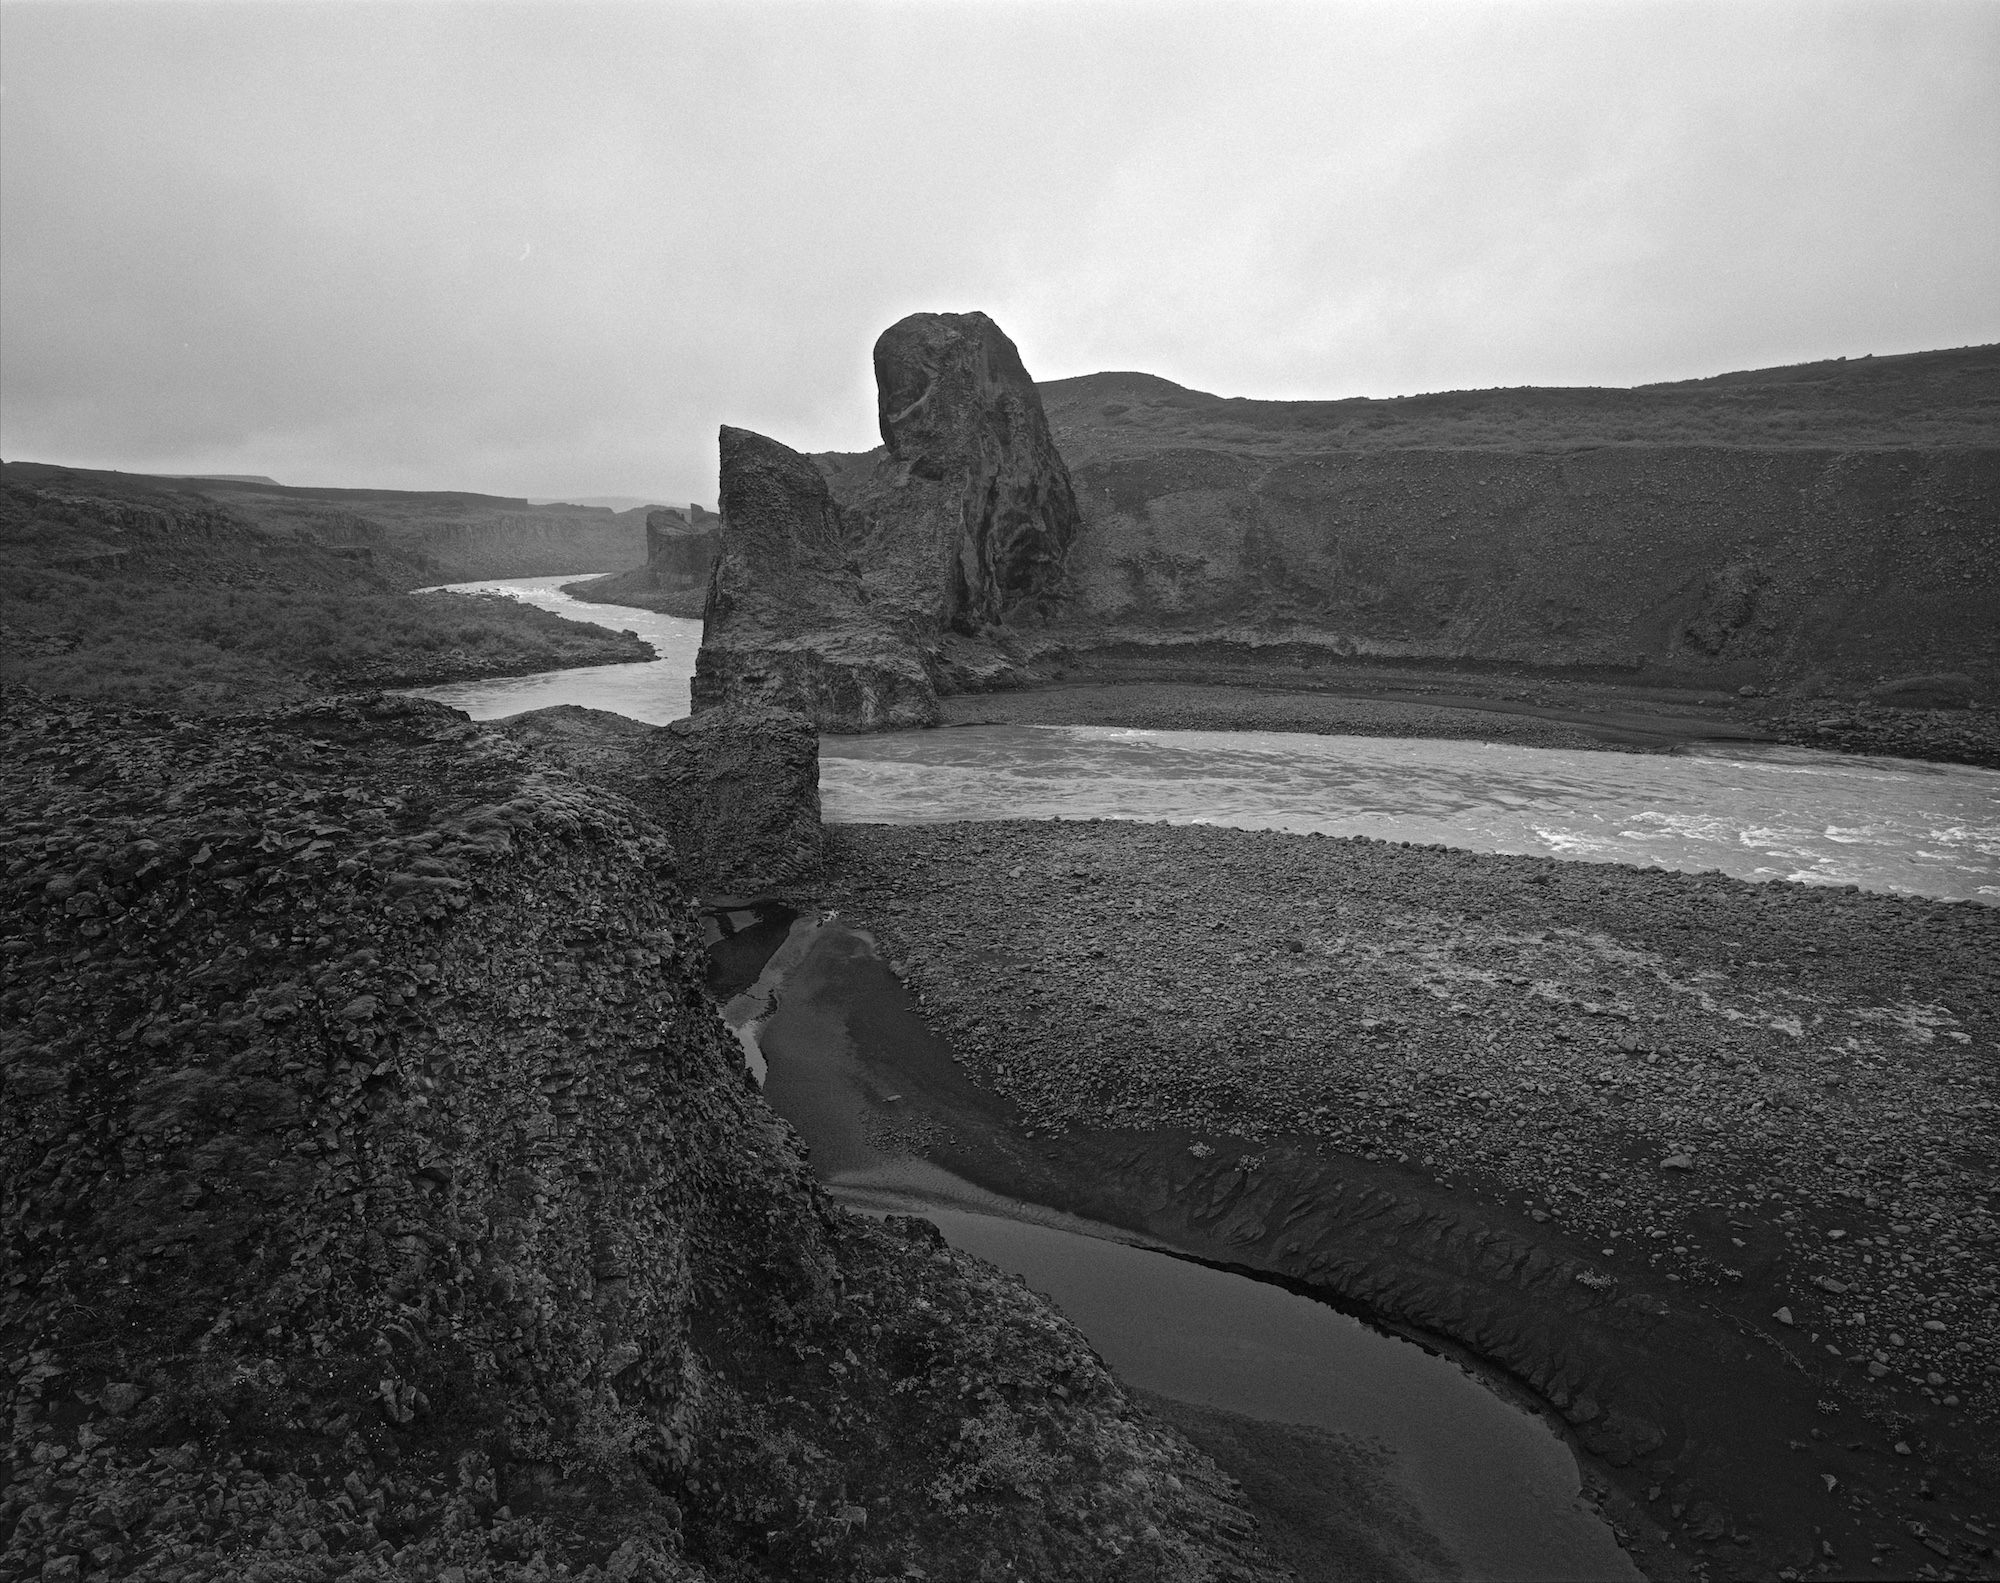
(734, 791)
(739, 790)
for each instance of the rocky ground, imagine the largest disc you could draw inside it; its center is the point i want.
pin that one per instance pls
(1772, 1105)
(1944, 736)
(1644, 1055)
(1526, 711)
(1172, 706)
(381, 1198)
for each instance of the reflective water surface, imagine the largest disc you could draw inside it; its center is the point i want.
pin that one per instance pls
(654, 691)
(1753, 812)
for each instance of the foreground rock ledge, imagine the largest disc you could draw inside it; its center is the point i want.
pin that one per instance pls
(735, 791)
(382, 1199)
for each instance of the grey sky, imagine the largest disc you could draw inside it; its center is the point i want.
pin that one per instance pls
(547, 249)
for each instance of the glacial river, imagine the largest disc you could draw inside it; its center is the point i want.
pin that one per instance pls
(1753, 812)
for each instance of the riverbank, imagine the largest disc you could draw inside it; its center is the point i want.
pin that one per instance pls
(1443, 1085)
(1530, 712)
(171, 602)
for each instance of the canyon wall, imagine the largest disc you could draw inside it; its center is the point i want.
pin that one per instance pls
(681, 546)
(1666, 534)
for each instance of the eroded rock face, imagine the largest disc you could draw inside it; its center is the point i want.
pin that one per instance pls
(972, 508)
(735, 791)
(380, 1195)
(857, 588)
(789, 622)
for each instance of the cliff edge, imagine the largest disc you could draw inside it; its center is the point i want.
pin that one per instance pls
(382, 1198)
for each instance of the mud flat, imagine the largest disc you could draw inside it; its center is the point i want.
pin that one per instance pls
(1704, 1165)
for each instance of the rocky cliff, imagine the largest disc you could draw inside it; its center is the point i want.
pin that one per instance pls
(1836, 524)
(790, 621)
(681, 546)
(734, 791)
(967, 514)
(382, 1198)
(855, 587)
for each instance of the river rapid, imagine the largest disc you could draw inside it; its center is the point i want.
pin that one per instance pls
(1757, 813)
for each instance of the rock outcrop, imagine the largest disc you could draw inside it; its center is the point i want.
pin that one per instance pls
(969, 515)
(381, 1198)
(789, 621)
(681, 546)
(735, 791)
(927, 557)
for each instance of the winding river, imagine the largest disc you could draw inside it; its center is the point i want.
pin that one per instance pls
(1755, 812)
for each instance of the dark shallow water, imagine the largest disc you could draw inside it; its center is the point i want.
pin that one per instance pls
(1490, 1479)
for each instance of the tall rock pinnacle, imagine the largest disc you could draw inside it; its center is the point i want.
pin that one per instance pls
(973, 475)
(854, 589)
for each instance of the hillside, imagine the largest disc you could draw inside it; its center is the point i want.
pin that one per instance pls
(445, 536)
(1825, 526)
(1921, 400)
(170, 600)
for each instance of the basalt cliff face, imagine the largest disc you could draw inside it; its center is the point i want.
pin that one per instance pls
(382, 1198)
(1833, 524)
(856, 587)
(790, 623)
(681, 546)
(968, 517)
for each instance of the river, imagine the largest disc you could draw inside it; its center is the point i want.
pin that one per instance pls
(1757, 813)
(654, 691)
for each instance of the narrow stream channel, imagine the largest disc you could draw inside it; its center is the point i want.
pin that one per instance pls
(1490, 1481)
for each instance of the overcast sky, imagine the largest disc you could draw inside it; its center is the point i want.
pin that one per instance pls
(547, 249)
